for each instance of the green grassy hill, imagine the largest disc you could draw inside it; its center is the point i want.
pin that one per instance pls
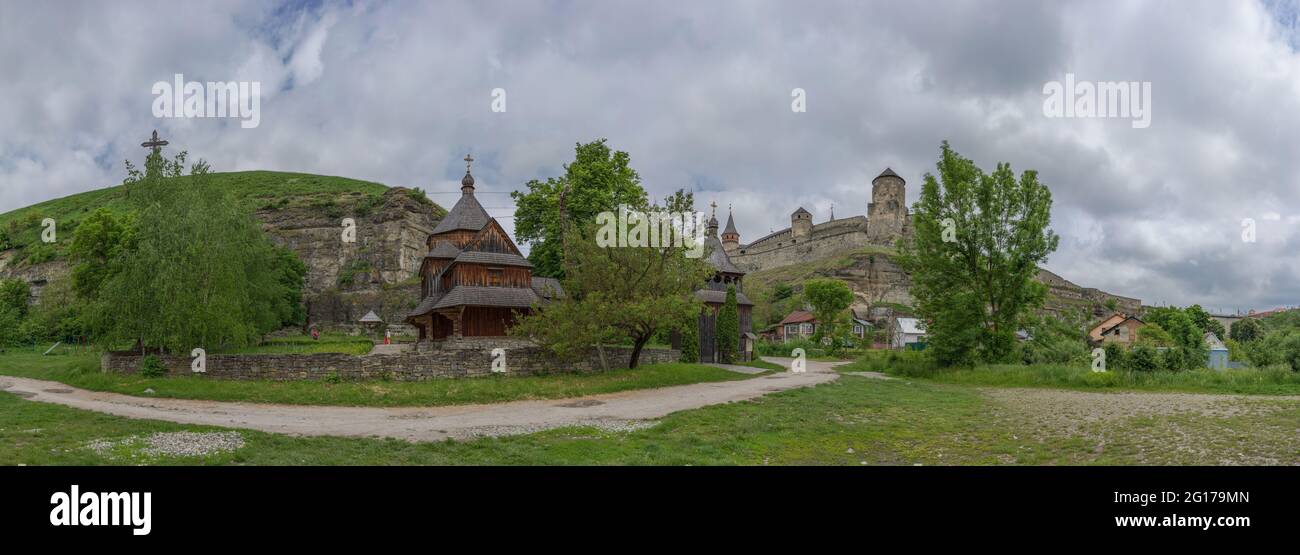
(20, 229)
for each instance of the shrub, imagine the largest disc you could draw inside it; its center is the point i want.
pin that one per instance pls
(1115, 357)
(1142, 359)
(152, 367)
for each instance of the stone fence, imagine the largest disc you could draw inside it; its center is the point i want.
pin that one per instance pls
(418, 365)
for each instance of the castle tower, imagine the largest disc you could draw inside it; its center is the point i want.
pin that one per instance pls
(801, 223)
(730, 237)
(887, 213)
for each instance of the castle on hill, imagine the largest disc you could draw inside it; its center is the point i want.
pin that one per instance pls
(886, 221)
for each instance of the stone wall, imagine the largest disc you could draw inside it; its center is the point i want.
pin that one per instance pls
(788, 253)
(409, 366)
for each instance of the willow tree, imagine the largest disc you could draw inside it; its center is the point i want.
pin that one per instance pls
(194, 269)
(979, 238)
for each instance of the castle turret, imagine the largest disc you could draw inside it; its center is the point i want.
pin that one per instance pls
(887, 213)
(801, 223)
(730, 237)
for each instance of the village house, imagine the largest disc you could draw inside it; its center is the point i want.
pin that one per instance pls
(801, 324)
(1117, 328)
(474, 281)
(907, 332)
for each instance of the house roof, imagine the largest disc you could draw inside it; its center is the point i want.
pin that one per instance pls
(473, 295)
(547, 288)
(444, 249)
(466, 214)
(1105, 325)
(371, 317)
(1213, 342)
(910, 325)
(497, 258)
(720, 297)
(1111, 323)
(798, 316)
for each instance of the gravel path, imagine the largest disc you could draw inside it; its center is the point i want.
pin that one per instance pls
(615, 411)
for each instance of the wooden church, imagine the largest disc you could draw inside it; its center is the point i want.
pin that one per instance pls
(714, 294)
(474, 281)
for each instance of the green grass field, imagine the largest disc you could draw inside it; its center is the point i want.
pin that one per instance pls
(83, 371)
(1247, 381)
(854, 421)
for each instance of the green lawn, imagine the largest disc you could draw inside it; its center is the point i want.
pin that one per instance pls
(83, 371)
(1250, 381)
(854, 421)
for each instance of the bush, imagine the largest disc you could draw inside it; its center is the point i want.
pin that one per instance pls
(1116, 358)
(152, 367)
(1142, 359)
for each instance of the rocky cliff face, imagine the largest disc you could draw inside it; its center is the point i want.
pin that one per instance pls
(377, 271)
(344, 279)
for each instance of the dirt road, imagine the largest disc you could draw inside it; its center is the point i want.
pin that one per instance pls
(618, 411)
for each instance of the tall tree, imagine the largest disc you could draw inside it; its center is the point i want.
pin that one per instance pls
(597, 180)
(976, 248)
(616, 294)
(195, 270)
(1245, 330)
(830, 299)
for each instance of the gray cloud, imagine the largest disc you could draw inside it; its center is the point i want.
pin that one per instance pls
(699, 95)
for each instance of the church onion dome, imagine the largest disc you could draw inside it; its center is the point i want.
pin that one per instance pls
(731, 226)
(890, 173)
(467, 181)
(801, 211)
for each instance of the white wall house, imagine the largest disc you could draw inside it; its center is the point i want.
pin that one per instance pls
(907, 331)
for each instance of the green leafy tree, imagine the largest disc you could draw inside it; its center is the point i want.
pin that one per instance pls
(98, 239)
(1188, 350)
(1154, 335)
(1203, 320)
(830, 299)
(13, 296)
(978, 241)
(597, 180)
(728, 335)
(194, 271)
(615, 294)
(1246, 330)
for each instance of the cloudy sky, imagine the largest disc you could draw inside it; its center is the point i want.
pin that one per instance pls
(699, 93)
